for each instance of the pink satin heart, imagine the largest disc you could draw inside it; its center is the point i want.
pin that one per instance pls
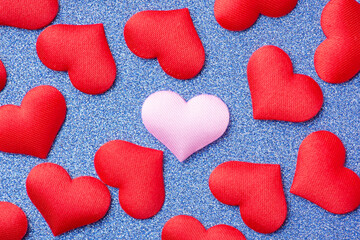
(185, 127)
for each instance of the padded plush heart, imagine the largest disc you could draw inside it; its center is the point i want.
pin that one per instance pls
(277, 93)
(238, 15)
(66, 203)
(185, 127)
(31, 128)
(83, 51)
(2, 76)
(137, 172)
(256, 188)
(321, 177)
(169, 36)
(29, 14)
(337, 59)
(188, 228)
(13, 222)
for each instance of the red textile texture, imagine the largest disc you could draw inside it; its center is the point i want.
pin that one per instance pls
(32, 127)
(188, 228)
(256, 188)
(83, 51)
(276, 92)
(13, 222)
(238, 15)
(337, 59)
(28, 14)
(2, 76)
(138, 174)
(66, 203)
(321, 177)
(169, 36)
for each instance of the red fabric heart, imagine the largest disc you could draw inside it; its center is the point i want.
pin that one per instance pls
(13, 222)
(30, 14)
(321, 177)
(188, 228)
(277, 93)
(2, 76)
(337, 59)
(238, 15)
(66, 203)
(169, 36)
(256, 188)
(137, 172)
(31, 128)
(83, 51)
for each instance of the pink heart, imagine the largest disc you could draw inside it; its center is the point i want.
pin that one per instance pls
(185, 127)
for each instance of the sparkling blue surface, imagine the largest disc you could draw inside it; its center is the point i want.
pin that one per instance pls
(94, 120)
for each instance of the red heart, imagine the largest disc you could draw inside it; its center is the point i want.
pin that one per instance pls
(256, 188)
(238, 15)
(83, 51)
(31, 128)
(337, 59)
(13, 222)
(169, 36)
(66, 203)
(188, 228)
(34, 14)
(2, 76)
(277, 93)
(137, 172)
(321, 177)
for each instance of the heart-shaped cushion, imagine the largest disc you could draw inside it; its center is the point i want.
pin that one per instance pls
(184, 227)
(66, 203)
(169, 36)
(256, 188)
(32, 127)
(2, 76)
(185, 127)
(321, 177)
(276, 92)
(137, 172)
(238, 15)
(337, 59)
(13, 222)
(83, 51)
(29, 14)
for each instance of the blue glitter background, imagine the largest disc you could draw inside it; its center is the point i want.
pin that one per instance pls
(94, 120)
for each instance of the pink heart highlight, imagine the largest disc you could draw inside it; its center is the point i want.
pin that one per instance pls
(185, 127)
